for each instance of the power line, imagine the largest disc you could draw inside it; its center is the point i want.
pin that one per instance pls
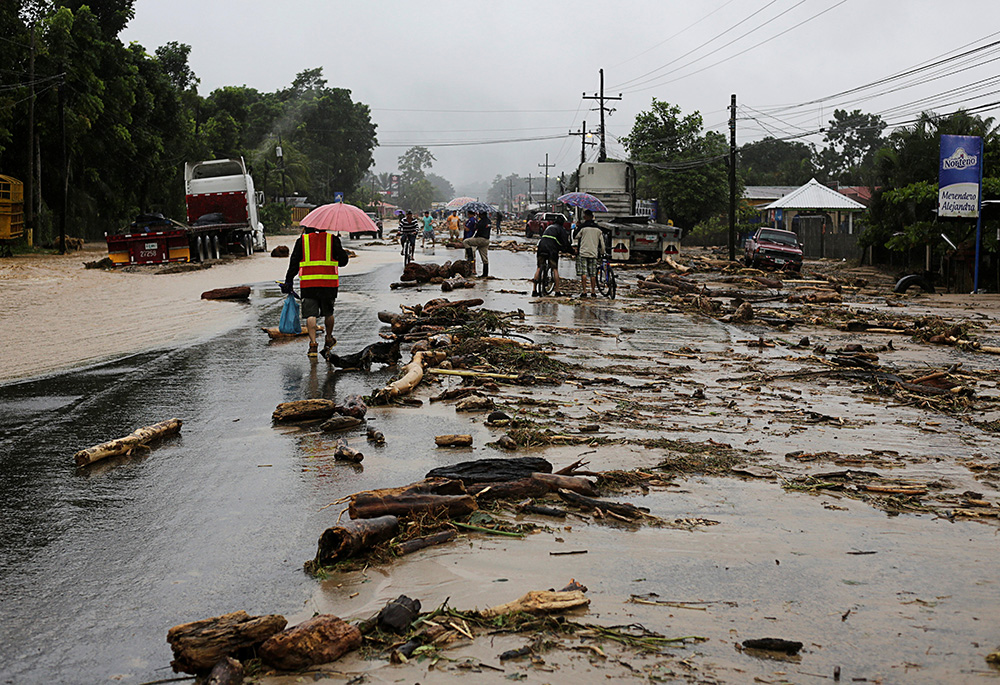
(473, 142)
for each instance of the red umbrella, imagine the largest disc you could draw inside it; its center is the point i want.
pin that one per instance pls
(339, 217)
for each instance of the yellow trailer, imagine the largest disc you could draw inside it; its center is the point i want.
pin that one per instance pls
(11, 212)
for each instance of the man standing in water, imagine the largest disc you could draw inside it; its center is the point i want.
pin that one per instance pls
(317, 258)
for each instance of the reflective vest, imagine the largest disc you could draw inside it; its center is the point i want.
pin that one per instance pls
(318, 268)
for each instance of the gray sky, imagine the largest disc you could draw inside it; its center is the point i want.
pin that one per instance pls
(518, 68)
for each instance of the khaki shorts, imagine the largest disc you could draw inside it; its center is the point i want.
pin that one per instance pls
(319, 304)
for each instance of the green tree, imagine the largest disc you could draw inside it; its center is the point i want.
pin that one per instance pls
(679, 164)
(853, 139)
(443, 189)
(772, 162)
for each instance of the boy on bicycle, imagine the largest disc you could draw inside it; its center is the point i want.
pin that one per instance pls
(554, 240)
(590, 247)
(407, 231)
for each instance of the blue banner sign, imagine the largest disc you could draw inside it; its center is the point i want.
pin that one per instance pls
(960, 176)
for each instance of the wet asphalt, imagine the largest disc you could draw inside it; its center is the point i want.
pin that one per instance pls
(97, 563)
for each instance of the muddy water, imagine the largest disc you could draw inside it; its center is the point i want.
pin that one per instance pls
(97, 564)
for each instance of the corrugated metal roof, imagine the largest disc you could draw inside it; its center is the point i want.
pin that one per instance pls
(815, 195)
(766, 192)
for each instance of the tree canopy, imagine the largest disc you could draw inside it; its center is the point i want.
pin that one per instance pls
(133, 118)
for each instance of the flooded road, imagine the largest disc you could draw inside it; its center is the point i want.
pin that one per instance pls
(97, 564)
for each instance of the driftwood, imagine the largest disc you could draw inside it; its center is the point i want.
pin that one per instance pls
(304, 410)
(434, 305)
(354, 405)
(514, 489)
(474, 404)
(319, 640)
(200, 645)
(452, 393)
(413, 374)
(138, 438)
(404, 284)
(345, 453)
(659, 287)
(377, 353)
(455, 283)
(679, 283)
(540, 602)
(492, 470)
(627, 510)
(366, 506)
(576, 484)
(416, 544)
(228, 671)
(542, 511)
(340, 423)
(274, 334)
(453, 441)
(240, 292)
(774, 644)
(280, 251)
(344, 541)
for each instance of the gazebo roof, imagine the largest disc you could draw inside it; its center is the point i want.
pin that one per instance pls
(815, 195)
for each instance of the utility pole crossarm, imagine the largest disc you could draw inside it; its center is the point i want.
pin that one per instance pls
(601, 97)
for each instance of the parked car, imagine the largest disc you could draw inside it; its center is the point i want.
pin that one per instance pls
(537, 224)
(773, 248)
(373, 234)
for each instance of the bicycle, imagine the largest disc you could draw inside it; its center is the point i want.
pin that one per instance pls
(546, 280)
(606, 283)
(409, 241)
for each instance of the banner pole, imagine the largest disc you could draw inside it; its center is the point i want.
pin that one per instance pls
(979, 220)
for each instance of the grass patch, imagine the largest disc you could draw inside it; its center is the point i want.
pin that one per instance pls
(697, 457)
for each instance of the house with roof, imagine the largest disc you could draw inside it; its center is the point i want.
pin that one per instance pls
(823, 218)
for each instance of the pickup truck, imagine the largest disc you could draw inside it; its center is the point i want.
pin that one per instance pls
(774, 248)
(539, 222)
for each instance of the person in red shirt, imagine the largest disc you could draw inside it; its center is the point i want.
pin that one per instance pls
(317, 257)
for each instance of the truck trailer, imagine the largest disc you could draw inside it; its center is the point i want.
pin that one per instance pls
(632, 237)
(221, 219)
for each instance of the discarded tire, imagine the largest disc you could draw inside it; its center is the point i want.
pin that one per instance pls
(906, 282)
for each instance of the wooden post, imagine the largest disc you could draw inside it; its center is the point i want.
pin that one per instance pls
(140, 437)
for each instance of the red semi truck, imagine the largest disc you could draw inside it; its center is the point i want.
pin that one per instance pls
(221, 219)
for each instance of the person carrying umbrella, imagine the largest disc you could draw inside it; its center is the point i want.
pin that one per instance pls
(317, 257)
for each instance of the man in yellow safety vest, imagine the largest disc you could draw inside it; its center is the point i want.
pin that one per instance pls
(317, 258)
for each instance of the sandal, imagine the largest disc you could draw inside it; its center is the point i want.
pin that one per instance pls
(312, 349)
(327, 345)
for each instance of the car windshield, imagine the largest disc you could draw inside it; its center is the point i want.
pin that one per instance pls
(780, 237)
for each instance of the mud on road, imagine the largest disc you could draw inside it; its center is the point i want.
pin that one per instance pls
(803, 498)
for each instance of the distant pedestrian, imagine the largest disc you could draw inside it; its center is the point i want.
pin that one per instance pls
(499, 219)
(480, 240)
(407, 231)
(454, 226)
(590, 247)
(317, 257)
(428, 233)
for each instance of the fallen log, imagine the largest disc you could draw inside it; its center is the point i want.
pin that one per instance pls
(435, 305)
(304, 410)
(659, 287)
(338, 423)
(474, 404)
(514, 489)
(455, 283)
(228, 671)
(280, 251)
(404, 284)
(319, 640)
(354, 405)
(540, 602)
(344, 541)
(577, 484)
(413, 373)
(200, 645)
(622, 509)
(543, 511)
(345, 453)
(452, 440)
(240, 292)
(416, 544)
(138, 438)
(492, 470)
(365, 506)
(452, 393)
(274, 334)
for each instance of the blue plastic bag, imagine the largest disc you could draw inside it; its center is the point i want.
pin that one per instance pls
(290, 323)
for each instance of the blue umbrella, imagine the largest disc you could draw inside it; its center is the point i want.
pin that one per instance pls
(477, 207)
(583, 201)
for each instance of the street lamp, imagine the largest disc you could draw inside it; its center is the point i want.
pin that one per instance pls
(281, 166)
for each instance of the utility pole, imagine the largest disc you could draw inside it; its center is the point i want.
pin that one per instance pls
(29, 206)
(583, 133)
(531, 197)
(65, 165)
(732, 179)
(547, 167)
(280, 153)
(603, 154)
(510, 194)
